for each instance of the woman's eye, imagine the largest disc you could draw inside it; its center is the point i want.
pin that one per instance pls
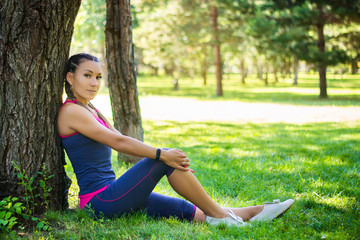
(87, 75)
(99, 77)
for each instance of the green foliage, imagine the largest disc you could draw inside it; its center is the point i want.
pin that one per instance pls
(170, 36)
(44, 186)
(29, 194)
(13, 212)
(10, 210)
(89, 29)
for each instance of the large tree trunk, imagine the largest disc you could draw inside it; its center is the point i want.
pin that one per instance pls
(34, 46)
(122, 77)
(218, 65)
(321, 46)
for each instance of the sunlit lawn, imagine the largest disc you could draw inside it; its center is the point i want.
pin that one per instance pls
(342, 90)
(245, 164)
(242, 164)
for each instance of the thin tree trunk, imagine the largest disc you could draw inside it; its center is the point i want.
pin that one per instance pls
(288, 67)
(218, 67)
(176, 76)
(34, 46)
(204, 76)
(122, 77)
(259, 69)
(243, 70)
(354, 65)
(266, 78)
(321, 46)
(296, 70)
(276, 76)
(204, 65)
(176, 84)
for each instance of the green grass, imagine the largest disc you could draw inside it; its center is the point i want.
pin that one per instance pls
(342, 91)
(243, 164)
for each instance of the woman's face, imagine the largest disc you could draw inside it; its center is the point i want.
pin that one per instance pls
(85, 81)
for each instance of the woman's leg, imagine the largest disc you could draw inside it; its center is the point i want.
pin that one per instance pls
(187, 185)
(130, 191)
(159, 205)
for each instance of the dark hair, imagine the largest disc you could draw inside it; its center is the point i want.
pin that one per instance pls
(71, 66)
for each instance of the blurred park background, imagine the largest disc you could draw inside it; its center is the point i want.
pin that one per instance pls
(278, 111)
(247, 43)
(264, 98)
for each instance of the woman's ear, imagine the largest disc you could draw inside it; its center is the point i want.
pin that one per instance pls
(69, 78)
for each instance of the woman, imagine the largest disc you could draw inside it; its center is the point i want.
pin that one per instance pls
(88, 139)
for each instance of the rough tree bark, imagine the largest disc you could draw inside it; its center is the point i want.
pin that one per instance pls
(122, 77)
(218, 65)
(35, 39)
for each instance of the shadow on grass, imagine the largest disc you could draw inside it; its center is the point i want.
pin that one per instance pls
(320, 157)
(246, 164)
(316, 164)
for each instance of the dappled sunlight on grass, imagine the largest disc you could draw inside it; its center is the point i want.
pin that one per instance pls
(259, 162)
(243, 164)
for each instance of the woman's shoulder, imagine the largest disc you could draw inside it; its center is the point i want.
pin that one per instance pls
(72, 110)
(73, 118)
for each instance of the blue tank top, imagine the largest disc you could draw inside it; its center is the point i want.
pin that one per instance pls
(91, 161)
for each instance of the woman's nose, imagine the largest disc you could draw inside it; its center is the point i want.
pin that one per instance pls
(93, 82)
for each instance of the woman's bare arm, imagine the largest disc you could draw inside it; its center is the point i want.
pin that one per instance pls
(81, 120)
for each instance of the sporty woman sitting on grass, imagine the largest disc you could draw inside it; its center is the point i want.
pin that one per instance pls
(88, 139)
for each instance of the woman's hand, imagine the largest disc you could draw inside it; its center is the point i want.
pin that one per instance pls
(175, 158)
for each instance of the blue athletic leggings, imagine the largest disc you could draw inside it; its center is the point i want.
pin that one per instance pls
(133, 191)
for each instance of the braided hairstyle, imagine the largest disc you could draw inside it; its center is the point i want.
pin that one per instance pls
(71, 66)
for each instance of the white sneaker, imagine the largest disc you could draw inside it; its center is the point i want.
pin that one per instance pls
(231, 220)
(273, 210)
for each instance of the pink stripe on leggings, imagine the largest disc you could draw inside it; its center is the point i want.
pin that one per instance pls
(130, 189)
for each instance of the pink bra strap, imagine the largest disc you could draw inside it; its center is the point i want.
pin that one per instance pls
(73, 101)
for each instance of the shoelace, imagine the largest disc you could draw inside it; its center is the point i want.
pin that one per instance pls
(237, 218)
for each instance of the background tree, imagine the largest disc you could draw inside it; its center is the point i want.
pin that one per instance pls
(237, 43)
(217, 51)
(197, 35)
(348, 38)
(318, 14)
(89, 32)
(122, 77)
(159, 39)
(34, 45)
